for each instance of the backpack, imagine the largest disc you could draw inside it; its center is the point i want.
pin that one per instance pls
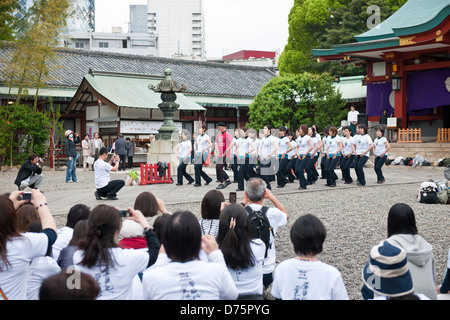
(260, 225)
(427, 192)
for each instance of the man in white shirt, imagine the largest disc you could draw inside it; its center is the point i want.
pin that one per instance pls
(105, 187)
(352, 118)
(255, 193)
(94, 147)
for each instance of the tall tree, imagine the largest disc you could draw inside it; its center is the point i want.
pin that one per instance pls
(291, 100)
(8, 21)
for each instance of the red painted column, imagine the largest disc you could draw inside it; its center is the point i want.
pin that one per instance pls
(400, 97)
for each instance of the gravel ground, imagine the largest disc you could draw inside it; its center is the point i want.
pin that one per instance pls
(356, 219)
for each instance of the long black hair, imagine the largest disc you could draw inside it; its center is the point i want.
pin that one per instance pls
(234, 237)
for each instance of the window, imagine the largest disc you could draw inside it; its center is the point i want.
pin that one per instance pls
(103, 45)
(124, 44)
(79, 45)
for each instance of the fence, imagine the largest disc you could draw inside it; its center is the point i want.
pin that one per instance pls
(443, 135)
(409, 135)
(150, 174)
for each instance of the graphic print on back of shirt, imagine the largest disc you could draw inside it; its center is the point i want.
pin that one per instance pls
(301, 289)
(188, 290)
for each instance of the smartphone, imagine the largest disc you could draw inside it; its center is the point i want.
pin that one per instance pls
(124, 213)
(232, 197)
(26, 196)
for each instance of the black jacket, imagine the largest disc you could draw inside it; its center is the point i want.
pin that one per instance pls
(26, 170)
(71, 148)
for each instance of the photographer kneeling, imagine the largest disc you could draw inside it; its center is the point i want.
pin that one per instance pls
(105, 187)
(30, 173)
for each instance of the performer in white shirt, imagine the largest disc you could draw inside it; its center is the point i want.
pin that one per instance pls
(311, 171)
(352, 118)
(363, 145)
(241, 151)
(183, 151)
(347, 154)
(284, 147)
(380, 148)
(304, 148)
(292, 156)
(267, 155)
(334, 148)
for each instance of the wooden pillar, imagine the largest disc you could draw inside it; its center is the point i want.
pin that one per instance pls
(400, 96)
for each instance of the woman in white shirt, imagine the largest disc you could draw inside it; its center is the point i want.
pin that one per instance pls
(243, 255)
(305, 277)
(17, 250)
(363, 145)
(253, 145)
(284, 147)
(183, 152)
(347, 154)
(242, 149)
(292, 156)
(334, 148)
(183, 276)
(201, 148)
(380, 148)
(323, 150)
(268, 149)
(113, 267)
(311, 172)
(304, 148)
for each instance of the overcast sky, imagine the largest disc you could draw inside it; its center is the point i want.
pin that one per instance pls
(230, 25)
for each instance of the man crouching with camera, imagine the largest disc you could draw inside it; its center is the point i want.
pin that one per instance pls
(30, 173)
(105, 187)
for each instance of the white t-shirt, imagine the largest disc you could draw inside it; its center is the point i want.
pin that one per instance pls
(293, 153)
(117, 282)
(183, 149)
(325, 143)
(333, 144)
(243, 145)
(352, 116)
(277, 218)
(362, 144)
(64, 236)
(379, 145)
(255, 142)
(266, 146)
(283, 145)
(40, 269)
(102, 170)
(348, 146)
(249, 281)
(303, 144)
(202, 142)
(295, 279)
(315, 142)
(192, 280)
(20, 252)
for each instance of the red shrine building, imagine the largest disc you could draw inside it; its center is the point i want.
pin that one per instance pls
(408, 65)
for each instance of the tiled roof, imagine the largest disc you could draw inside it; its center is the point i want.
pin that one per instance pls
(201, 78)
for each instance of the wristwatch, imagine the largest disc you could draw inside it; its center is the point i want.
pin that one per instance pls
(242, 204)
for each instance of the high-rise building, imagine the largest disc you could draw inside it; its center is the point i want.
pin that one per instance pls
(179, 26)
(80, 16)
(138, 18)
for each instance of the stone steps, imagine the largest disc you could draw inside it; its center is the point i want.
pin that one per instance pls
(430, 151)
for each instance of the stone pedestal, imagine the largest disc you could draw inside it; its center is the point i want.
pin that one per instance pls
(164, 151)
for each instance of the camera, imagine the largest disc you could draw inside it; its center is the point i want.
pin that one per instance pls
(124, 213)
(232, 197)
(26, 196)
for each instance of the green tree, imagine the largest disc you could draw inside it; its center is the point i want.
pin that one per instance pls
(321, 24)
(292, 100)
(8, 21)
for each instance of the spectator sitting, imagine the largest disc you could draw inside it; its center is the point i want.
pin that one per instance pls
(26, 214)
(305, 277)
(210, 211)
(255, 193)
(445, 287)
(18, 250)
(76, 213)
(387, 259)
(55, 287)
(30, 173)
(149, 205)
(199, 280)
(65, 258)
(132, 235)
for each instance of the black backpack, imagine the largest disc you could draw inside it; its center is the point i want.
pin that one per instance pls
(260, 226)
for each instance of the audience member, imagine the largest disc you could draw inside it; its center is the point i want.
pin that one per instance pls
(187, 277)
(76, 213)
(65, 258)
(243, 255)
(149, 205)
(113, 268)
(132, 234)
(57, 286)
(18, 250)
(387, 275)
(445, 286)
(305, 277)
(26, 214)
(210, 212)
(255, 194)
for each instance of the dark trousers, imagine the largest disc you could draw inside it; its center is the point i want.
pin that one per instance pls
(123, 158)
(379, 162)
(282, 171)
(291, 167)
(111, 189)
(198, 169)
(301, 166)
(331, 175)
(359, 163)
(323, 167)
(222, 176)
(181, 171)
(251, 167)
(130, 162)
(234, 167)
(345, 168)
(267, 171)
(243, 172)
(311, 171)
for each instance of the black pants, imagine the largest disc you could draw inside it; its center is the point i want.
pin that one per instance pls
(290, 170)
(302, 164)
(267, 171)
(222, 176)
(123, 158)
(323, 167)
(111, 189)
(234, 167)
(130, 162)
(198, 169)
(181, 171)
(345, 168)
(359, 163)
(331, 165)
(243, 172)
(379, 162)
(282, 172)
(311, 171)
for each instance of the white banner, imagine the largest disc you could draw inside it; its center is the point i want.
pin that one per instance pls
(143, 127)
